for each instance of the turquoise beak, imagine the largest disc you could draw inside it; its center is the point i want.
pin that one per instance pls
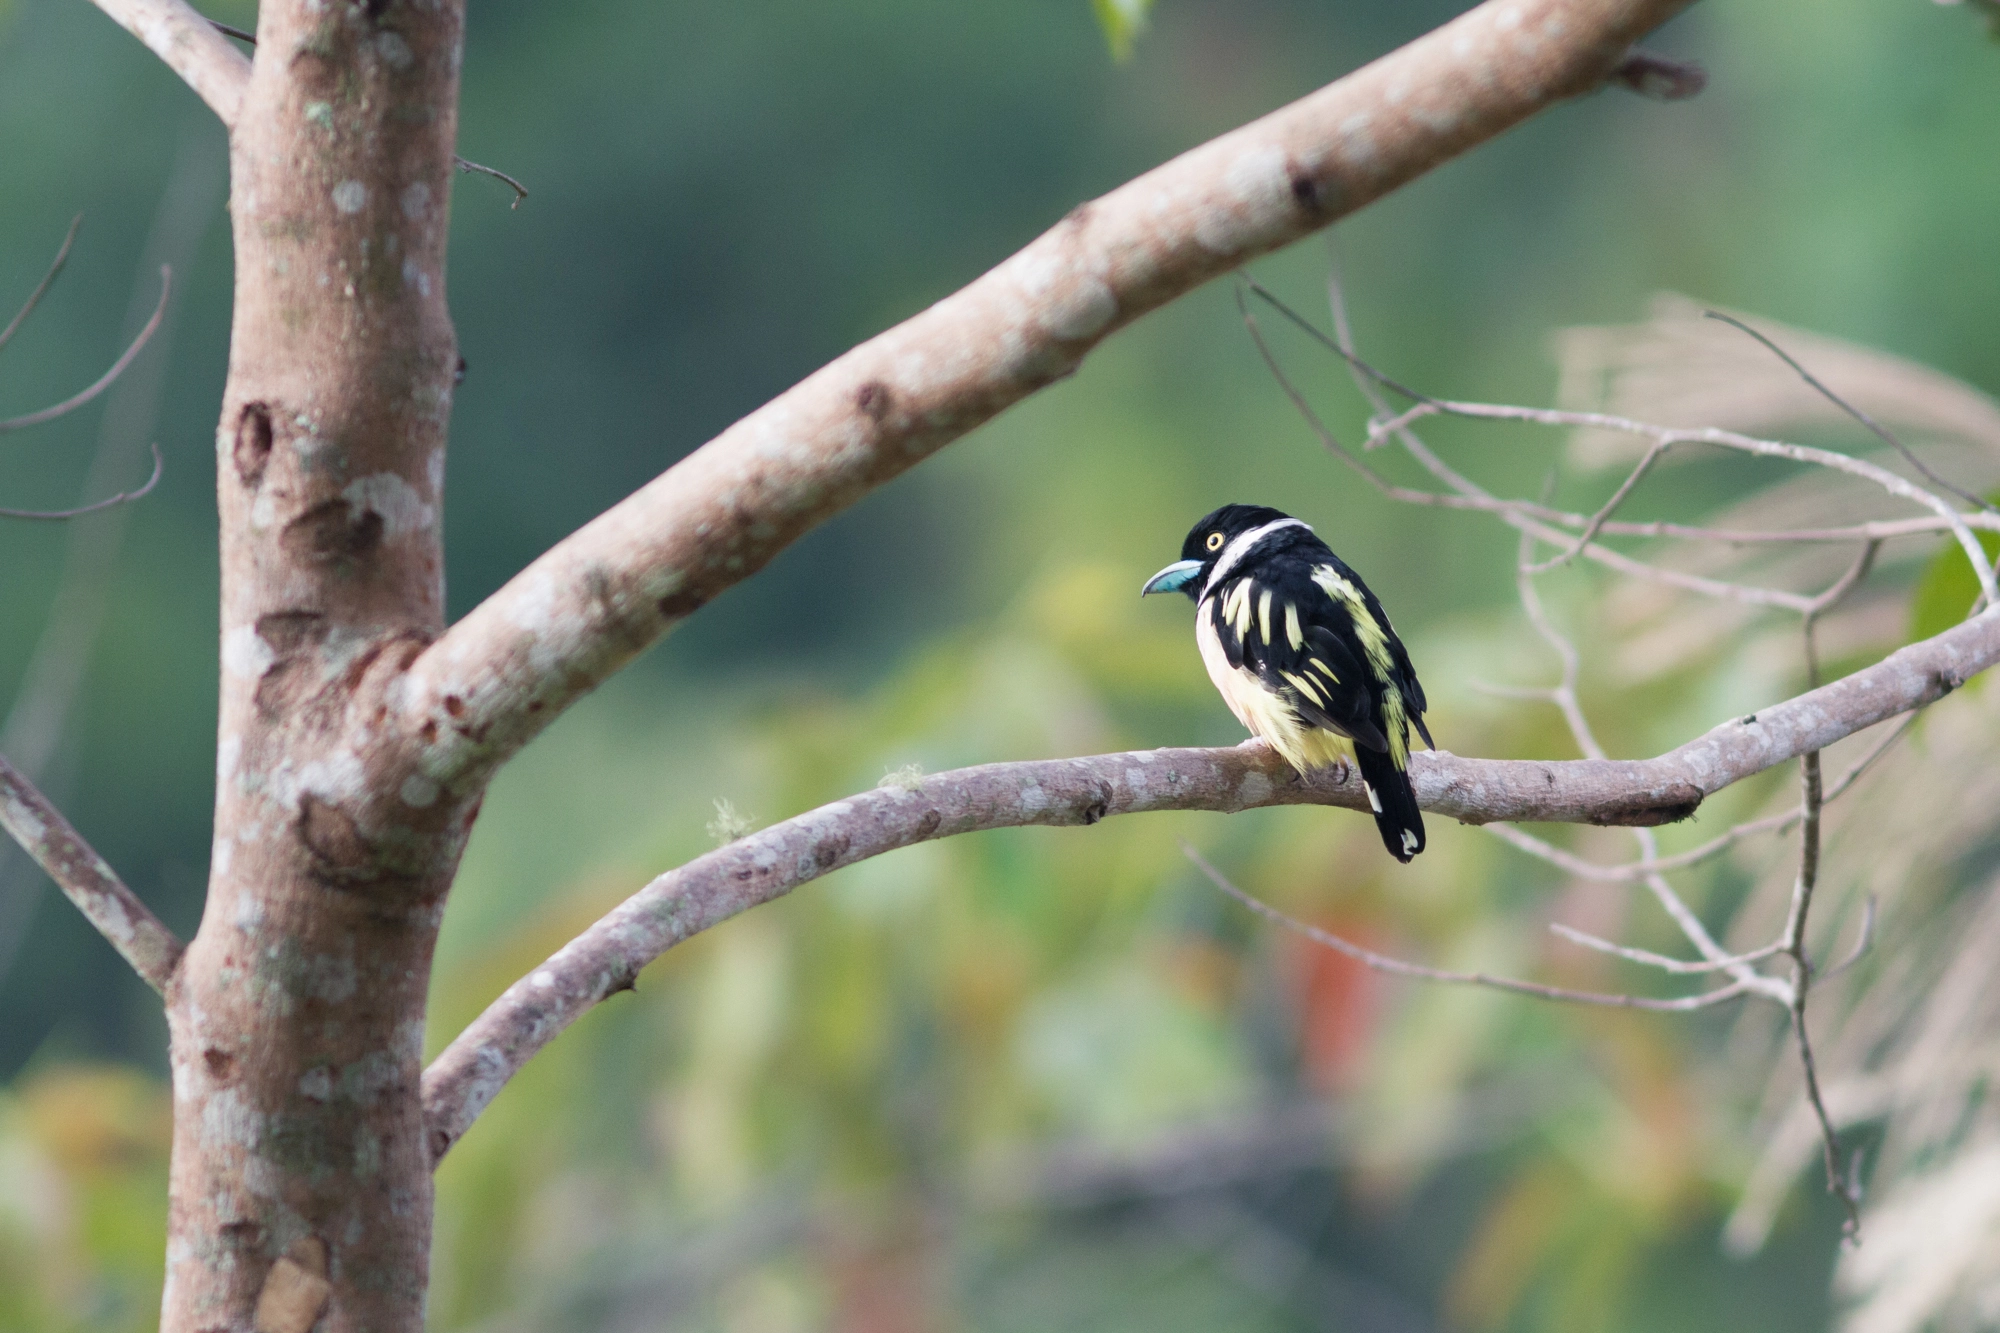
(1173, 578)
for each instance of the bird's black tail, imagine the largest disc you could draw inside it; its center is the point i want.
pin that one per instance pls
(1394, 801)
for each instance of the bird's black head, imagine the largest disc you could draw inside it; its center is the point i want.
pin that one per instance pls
(1209, 542)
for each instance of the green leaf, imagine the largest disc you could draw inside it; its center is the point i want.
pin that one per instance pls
(1945, 591)
(1122, 21)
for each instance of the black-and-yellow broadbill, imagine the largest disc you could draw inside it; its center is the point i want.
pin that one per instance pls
(1304, 655)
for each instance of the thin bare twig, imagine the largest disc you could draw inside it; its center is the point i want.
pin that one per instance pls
(1564, 697)
(1837, 591)
(42, 287)
(1603, 515)
(1880, 431)
(1791, 943)
(1426, 405)
(1367, 376)
(1795, 946)
(1864, 940)
(520, 190)
(1811, 804)
(1662, 961)
(33, 722)
(1398, 967)
(1469, 495)
(138, 936)
(463, 164)
(1475, 499)
(1725, 439)
(123, 497)
(109, 377)
(1875, 530)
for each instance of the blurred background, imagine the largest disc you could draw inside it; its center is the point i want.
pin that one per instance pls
(1049, 1079)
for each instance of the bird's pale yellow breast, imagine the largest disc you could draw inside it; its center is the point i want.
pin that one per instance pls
(1267, 715)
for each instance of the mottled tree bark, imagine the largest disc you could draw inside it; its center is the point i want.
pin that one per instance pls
(301, 1183)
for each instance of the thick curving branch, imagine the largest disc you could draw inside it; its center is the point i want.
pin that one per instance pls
(178, 34)
(139, 937)
(770, 863)
(600, 597)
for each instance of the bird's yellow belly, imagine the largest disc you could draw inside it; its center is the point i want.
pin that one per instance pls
(1303, 745)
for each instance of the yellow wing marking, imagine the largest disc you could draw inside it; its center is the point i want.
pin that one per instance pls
(1264, 615)
(1398, 727)
(1374, 639)
(1305, 686)
(1293, 634)
(1236, 608)
(1323, 669)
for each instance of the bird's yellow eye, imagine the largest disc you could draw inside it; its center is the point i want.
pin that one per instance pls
(1215, 541)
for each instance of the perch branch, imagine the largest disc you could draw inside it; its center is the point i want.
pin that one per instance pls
(601, 596)
(1573, 864)
(130, 926)
(773, 861)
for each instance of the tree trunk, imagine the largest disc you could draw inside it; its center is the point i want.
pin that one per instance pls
(301, 1181)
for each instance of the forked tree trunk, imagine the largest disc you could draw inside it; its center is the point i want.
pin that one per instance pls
(301, 1180)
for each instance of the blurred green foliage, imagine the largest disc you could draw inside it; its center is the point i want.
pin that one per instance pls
(1037, 1079)
(1947, 587)
(1122, 21)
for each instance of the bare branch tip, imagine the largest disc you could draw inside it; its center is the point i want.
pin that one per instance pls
(48, 280)
(123, 497)
(109, 377)
(152, 950)
(520, 190)
(1874, 427)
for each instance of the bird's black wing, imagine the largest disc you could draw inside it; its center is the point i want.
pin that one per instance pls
(1301, 647)
(1405, 674)
(1402, 674)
